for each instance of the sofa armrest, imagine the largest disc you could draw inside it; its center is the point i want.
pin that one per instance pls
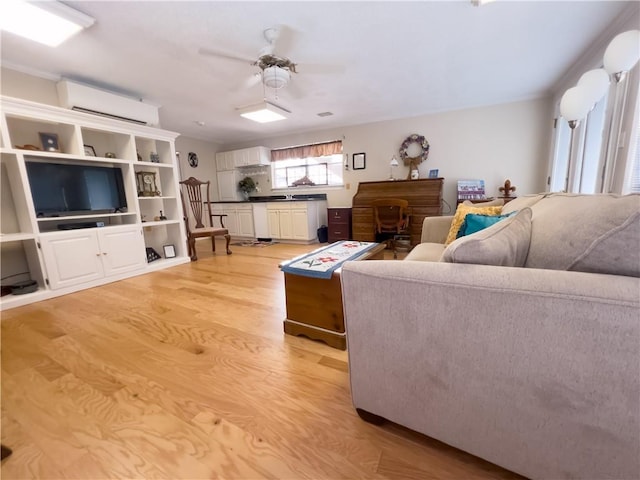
(436, 229)
(533, 370)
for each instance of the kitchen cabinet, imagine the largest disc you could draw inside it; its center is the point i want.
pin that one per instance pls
(296, 220)
(239, 219)
(245, 157)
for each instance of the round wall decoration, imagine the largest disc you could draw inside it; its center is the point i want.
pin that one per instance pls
(193, 159)
(413, 151)
(421, 142)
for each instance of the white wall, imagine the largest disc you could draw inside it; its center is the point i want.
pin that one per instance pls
(496, 143)
(491, 143)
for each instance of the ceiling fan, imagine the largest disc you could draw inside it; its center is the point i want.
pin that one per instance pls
(275, 69)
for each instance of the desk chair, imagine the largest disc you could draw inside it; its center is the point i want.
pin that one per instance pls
(194, 189)
(391, 216)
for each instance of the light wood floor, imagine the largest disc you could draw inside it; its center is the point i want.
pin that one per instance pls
(186, 374)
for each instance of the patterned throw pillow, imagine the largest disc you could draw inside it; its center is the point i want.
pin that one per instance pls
(461, 212)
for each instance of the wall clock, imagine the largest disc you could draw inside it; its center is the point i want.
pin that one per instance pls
(193, 159)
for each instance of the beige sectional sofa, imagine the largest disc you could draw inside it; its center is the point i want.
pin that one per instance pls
(531, 361)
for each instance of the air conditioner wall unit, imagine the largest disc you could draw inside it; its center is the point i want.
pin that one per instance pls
(100, 102)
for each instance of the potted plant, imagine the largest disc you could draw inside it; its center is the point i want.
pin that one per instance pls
(246, 186)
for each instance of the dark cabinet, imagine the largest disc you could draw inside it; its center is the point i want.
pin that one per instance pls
(339, 220)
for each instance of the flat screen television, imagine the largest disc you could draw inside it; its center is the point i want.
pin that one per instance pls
(66, 190)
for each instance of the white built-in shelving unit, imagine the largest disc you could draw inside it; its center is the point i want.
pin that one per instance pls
(32, 247)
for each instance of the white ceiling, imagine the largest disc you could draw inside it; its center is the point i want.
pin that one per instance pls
(399, 59)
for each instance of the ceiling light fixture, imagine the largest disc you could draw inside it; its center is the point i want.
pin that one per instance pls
(264, 112)
(49, 23)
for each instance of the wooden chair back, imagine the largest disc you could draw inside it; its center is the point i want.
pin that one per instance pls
(391, 215)
(196, 200)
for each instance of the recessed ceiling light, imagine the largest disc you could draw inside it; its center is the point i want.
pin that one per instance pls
(50, 23)
(325, 114)
(263, 112)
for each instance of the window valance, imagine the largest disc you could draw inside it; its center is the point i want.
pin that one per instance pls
(305, 151)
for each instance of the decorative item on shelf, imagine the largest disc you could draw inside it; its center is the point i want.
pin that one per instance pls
(433, 173)
(169, 251)
(471, 189)
(507, 189)
(154, 157)
(392, 164)
(303, 182)
(193, 159)
(28, 147)
(110, 155)
(359, 161)
(152, 255)
(162, 216)
(139, 156)
(246, 186)
(49, 142)
(147, 184)
(413, 151)
(415, 174)
(89, 151)
(143, 218)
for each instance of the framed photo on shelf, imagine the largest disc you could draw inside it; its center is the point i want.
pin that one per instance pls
(89, 151)
(433, 173)
(49, 142)
(169, 251)
(359, 161)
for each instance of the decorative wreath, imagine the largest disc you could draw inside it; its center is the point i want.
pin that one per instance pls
(419, 139)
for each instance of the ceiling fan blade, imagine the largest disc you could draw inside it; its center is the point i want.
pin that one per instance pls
(281, 40)
(319, 68)
(253, 80)
(230, 56)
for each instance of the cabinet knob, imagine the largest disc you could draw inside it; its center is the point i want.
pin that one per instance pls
(104, 253)
(98, 254)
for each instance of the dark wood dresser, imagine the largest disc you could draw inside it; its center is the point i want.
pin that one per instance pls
(339, 220)
(424, 196)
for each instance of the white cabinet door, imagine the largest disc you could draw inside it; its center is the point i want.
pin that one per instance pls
(229, 160)
(231, 221)
(220, 162)
(264, 156)
(122, 249)
(300, 225)
(286, 224)
(227, 186)
(72, 258)
(274, 223)
(245, 223)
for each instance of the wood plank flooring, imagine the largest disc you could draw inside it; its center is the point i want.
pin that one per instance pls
(186, 374)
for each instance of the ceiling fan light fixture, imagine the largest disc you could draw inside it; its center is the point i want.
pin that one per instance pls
(275, 77)
(264, 112)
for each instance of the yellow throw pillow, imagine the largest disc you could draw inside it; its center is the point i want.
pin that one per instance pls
(461, 212)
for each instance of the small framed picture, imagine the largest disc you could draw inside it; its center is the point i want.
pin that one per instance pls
(89, 151)
(49, 142)
(169, 251)
(359, 161)
(433, 173)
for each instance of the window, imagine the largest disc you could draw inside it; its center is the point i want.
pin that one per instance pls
(308, 165)
(592, 159)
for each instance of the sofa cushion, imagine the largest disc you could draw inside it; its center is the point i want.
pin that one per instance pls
(496, 202)
(461, 212)
(615, 252)
(519, 203)
(426, 252)
(505, 243)
(474, 222)
(573, 231)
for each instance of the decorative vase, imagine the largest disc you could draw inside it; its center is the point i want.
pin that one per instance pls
(246, 195)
